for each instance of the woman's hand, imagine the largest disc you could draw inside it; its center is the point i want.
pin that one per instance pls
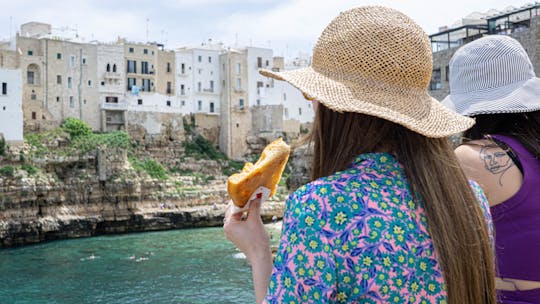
(250, 236)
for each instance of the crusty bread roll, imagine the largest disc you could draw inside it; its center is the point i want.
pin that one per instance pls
(265, 172)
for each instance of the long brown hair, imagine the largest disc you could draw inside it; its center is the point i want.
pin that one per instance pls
(525, 127)
(456, 221)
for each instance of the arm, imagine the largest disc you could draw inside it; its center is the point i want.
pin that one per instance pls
(492, 168)
(251, 238)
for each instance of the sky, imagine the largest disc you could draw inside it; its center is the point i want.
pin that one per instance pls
(286, 26)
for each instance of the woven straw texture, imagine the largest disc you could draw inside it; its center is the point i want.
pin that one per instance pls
(375, 60)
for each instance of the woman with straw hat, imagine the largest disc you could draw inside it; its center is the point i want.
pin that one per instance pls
(389, 216)
(493, 80)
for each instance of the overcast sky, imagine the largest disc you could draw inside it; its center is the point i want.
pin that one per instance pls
(287, 26)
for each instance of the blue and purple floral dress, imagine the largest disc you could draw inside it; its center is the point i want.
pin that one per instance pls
(358, 236)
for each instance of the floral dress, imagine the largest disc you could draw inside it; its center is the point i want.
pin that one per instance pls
(358, 237)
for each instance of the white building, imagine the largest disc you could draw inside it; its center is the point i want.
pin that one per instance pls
(11, 115)
(258, 85)
(198, 84)
(295, 106)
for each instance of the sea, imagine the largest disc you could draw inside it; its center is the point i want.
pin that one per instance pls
(175, 266)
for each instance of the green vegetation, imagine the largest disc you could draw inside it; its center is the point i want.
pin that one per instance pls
(200, 148)
(7, 171)
(115, 139)
(76, 128)
(3, 146)
(150, 166)
(29, 168)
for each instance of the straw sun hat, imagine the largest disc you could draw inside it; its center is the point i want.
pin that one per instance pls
(492, 75)
(377, 61)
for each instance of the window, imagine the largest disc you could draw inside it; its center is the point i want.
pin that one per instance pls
(111, 99)
(90, 83)
(4, 88)
(238, 84)
(33, 96)
(284, 96)
(169, 90)
(102, 83)
(72, 60)
(131, 50)
(34, 115)
(58, 55)
(69, 83)
(267, 63)
(145, 51)
(199, 86)
(30, 53)
(183, 68)
(84, 61)
(168, 67)
(114, 68)
(200, 59)
(286, 113)
(130, 83)
(168, 103)
(211, 86)
(183, 103)
(182, 91)
(435, 83)
(132, 66)
(108, 67)
(258, 102)
(211, 107)
(71, 103)
(144, 67)
(238, 68)
(241, 103)
(30, 77)
(199, 71)
(259, 62)
(447, 72)
(57, 98)
(139, 102)
(58, 79)
(260, 84)
(145, 85)
(209, 59)
(199, 105)
(299, 111)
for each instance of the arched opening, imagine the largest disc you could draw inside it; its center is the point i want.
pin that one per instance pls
(108, 67)
(32, 74)
(114, 68)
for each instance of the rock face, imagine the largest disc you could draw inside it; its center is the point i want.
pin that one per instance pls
(301, 166)
(101, 194)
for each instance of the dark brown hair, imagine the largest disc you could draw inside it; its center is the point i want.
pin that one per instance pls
(525, 127)
(456, 221)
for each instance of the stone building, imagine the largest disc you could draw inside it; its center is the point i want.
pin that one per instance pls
(235, 114)
(522, 24)
(111, 72)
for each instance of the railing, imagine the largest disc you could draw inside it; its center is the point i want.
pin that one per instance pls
(112, 75)
(120, 106)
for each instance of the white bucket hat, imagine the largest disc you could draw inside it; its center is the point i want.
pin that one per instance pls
(492, 75)
(376, 61)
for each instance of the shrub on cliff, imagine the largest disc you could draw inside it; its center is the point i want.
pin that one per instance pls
(76, 128)
(150, 166)
(7, 171)
(115, 139)
(200, 148)
(3, 146)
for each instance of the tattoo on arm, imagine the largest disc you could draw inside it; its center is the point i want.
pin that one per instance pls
(497, 162)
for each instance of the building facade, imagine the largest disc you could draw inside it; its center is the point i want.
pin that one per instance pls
(522, 24)
(11, 115)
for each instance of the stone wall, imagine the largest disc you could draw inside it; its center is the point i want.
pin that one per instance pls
(208, 126)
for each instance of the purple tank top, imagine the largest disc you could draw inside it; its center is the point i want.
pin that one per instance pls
(517, 221)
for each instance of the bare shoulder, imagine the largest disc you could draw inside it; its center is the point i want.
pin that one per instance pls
(491, 167)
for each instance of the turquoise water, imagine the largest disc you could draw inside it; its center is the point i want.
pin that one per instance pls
(179, 266)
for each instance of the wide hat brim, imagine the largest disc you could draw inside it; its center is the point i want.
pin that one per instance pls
(518, 97)
(432, 119)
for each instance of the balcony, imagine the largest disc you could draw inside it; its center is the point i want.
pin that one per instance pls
(112, 75)
(115, 106)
